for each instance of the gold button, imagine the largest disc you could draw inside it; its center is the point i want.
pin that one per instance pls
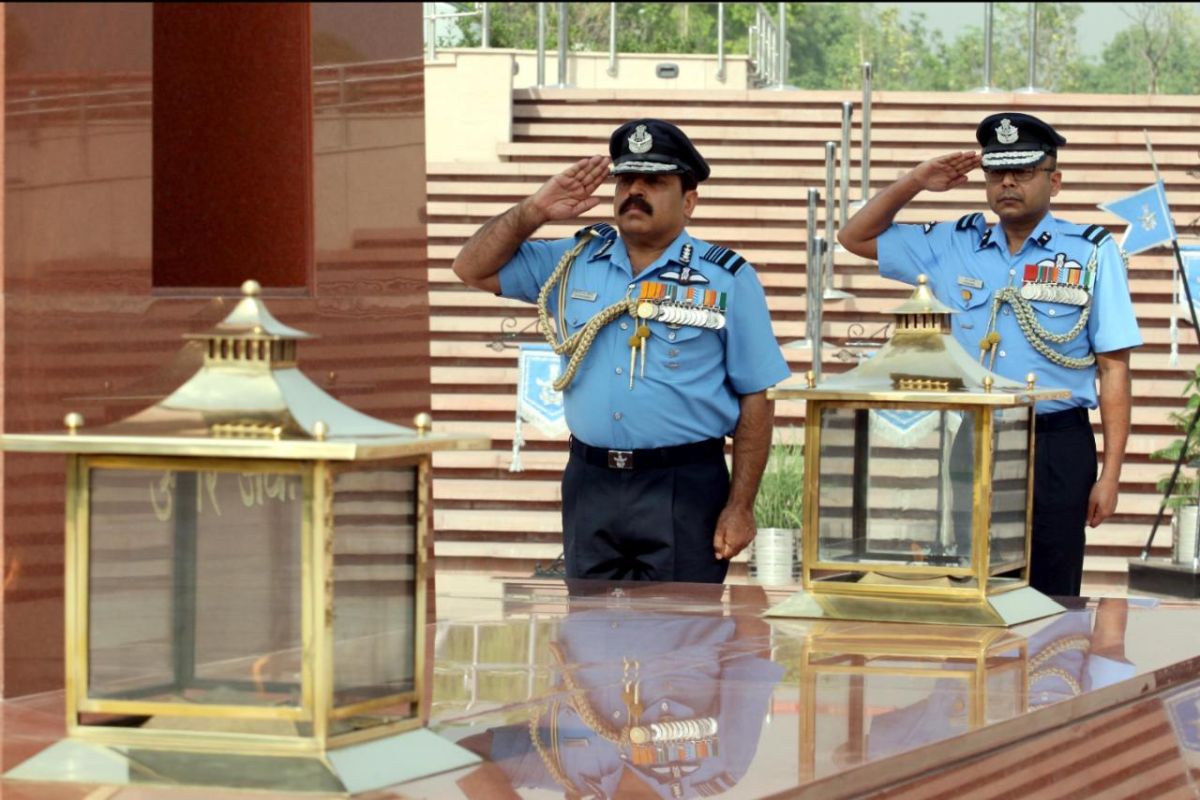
(966, 294)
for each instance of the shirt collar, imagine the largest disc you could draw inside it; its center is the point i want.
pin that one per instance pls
(681, 251)
(1042, 236)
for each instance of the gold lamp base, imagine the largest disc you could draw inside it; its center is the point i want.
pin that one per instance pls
(348, 770)
(1000, 610)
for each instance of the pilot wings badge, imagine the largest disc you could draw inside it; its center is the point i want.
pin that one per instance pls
(640, 141)
(1007, 133)
(685, 276)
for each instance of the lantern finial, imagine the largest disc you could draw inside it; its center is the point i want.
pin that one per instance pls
(423, 421)
(251, 288)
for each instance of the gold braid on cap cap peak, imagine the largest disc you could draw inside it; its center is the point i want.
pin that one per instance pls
(578, 344)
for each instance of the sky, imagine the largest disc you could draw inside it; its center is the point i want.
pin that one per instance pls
(1096, 26)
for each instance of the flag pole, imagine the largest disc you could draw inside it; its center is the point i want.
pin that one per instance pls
(1187, 290)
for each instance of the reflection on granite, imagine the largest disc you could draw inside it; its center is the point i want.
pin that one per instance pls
(850, 707)
(643, 699)
(644, 691)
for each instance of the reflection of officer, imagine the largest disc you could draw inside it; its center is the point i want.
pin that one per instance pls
(668, 349)
(1035, 294)
(945, 713)
(1075, 653)
(650, 704)
(1078, 652)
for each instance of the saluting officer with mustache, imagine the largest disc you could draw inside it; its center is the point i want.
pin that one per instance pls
(1034, 294)
(667, 349)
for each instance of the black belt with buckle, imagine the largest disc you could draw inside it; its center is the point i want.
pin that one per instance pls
(655, 458)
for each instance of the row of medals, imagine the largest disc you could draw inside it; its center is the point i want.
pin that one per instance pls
(677, 740)
(695, 316)
(670, 314)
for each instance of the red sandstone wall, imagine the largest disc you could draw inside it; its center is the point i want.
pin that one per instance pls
(114, 214)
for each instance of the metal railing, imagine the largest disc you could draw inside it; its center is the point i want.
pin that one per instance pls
(988, 13)
(769, 51)
(768, 47)
(767, 72)
(1032, 87)
(431, 17)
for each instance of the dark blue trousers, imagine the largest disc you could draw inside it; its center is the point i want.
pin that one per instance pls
(653, 524)
(1064, 471)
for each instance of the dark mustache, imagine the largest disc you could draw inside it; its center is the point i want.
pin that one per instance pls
(636, 202)
(1010, 197)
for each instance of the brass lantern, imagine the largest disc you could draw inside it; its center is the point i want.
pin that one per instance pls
(246, 582)
(918, 484)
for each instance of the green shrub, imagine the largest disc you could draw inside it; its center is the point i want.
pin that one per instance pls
(780, 501)
(1187, 486)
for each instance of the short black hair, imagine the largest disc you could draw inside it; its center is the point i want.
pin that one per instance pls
(687, 182)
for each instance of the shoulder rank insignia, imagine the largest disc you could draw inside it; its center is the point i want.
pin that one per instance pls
(1095, 234)
(605, 232)
(601, 229)
(969, 221)
(724, 257)
(685, 254)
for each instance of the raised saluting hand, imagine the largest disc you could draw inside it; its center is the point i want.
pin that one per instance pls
(946, 172)
(569, 193)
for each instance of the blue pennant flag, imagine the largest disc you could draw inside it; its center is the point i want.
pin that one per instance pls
(1148, 216)
(538, 402)
(1190, 255)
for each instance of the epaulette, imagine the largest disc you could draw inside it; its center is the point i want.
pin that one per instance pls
(1095, 234)
(969, 221)
(724, 257)
(601, 229)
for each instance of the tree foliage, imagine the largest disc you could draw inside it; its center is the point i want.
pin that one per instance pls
(830, 41)
(1156, 54)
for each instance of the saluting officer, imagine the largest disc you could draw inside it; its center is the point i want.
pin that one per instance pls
(1035, 294)
(668, 348)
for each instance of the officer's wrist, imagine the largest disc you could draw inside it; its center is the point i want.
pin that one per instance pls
(530, 215)
(740, 505)
(911, 183)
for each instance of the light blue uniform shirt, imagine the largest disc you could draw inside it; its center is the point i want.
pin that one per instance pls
(694, 376)
(966, 262)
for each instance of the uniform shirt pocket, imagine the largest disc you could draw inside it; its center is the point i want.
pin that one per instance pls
(968, 299)
(1059, 320)
(579, 313)
(682, 348)
(1056, 318)
(974, 307)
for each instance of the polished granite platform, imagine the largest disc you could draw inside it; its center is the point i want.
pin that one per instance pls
(645, 691)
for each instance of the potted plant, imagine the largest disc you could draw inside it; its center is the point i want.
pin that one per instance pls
(778, 514)
(1184, 499)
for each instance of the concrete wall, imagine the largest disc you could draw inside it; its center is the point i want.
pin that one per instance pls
(469, 91)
